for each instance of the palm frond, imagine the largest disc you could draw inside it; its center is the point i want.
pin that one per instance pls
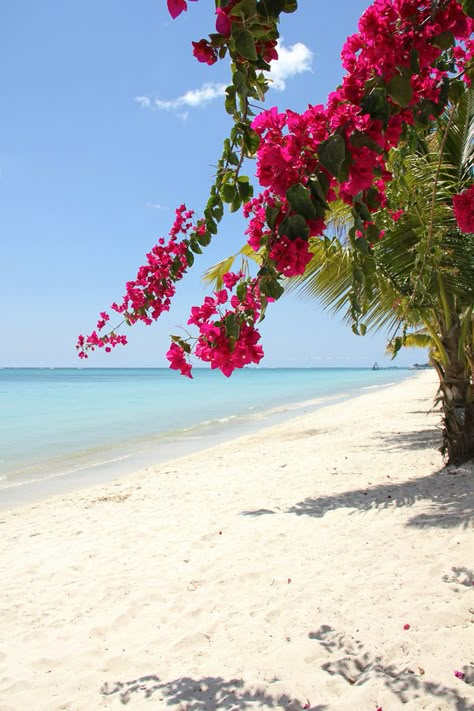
(215, 274)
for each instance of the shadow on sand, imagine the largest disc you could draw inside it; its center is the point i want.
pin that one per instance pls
(450, 491)
(451, 496)
(206, 694)
(357, 665)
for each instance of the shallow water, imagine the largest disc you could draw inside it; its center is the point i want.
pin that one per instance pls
(79, 422)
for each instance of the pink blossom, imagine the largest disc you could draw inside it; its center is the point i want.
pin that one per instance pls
(291, 256)
(463, 204)
(178, 361)
(223, 21)
(230, 279)
(396, 214)
(176, 7)
(204, 52)
(459, 675)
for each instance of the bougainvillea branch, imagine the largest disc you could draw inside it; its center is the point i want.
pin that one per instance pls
(408, 59)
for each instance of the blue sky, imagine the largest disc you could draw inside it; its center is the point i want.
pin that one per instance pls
(107, 125)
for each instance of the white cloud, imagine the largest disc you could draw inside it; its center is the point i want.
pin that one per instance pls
(144, 101)
(193, 98)
(155, 206)
(292, 60)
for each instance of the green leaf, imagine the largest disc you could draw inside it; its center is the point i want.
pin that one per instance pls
(271, 214)
(332, 153)
(241, 291)
(362, 211)
(359, 139)
(299, 198)
(232, 158)
(372, 198)
(357, 274)
(319, 189)
(228, 192)
(182, 343)
(251, 140)
(468, 7)
(271, 287)
(211, 227)
(414, 61)
(275, 7)
(245, 8)
(373, 232)
(239, 80)
(245, 190)
(245, 45)
(218, 211)
(232, 326)
(230, 105)
(236, 202)
(399, 89)
(376, 104)
(445, 40)
(294, 227)
(362, 245)
(456, 90)
(204, 239)
(194, 244)
(426, 109)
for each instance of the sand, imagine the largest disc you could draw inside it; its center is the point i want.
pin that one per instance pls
(325, 563)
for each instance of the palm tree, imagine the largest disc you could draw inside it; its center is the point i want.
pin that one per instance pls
(418, 281)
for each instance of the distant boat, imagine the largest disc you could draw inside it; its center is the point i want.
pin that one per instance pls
(375, 366)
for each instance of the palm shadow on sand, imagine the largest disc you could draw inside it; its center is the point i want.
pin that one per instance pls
(357, 665)
(451, 500)
(449, 491)
(205, 694)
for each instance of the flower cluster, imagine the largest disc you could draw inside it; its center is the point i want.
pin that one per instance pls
(391, 78)
(291, 256)
(227, 337)
(464, 209)
(399, 66)
(151, 292)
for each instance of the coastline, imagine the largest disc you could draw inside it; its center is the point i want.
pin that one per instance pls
(276, 570)
(63, 472)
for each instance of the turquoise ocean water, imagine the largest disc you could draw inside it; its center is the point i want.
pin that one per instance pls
(61, 428)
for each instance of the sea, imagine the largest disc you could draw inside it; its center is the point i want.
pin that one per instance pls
(64, 428)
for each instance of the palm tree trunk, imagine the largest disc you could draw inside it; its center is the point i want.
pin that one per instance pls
(456, 396)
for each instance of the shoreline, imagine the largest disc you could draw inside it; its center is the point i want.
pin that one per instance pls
(138, 455)
(323, 563)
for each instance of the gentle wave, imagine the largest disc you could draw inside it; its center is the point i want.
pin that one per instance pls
(64, 422)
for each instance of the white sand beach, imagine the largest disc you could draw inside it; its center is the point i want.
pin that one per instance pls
(324, 563)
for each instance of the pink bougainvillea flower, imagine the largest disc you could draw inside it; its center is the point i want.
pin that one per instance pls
(204, 52)
(223, 23)
(178, 361)
(406, 627)
(459, 675)
(464, 209)
(176, 7)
